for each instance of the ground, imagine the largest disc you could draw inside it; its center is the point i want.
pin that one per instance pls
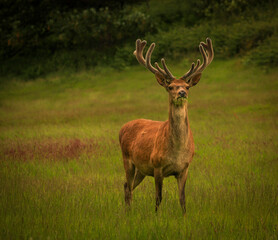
(62, 176)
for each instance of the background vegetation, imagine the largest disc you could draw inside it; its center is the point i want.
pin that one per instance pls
(68, 84)
(42, 36)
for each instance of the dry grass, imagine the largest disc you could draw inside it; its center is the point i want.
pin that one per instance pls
(50, 149)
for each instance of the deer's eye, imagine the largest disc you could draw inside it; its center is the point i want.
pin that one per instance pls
(187, 88)
(170, 88)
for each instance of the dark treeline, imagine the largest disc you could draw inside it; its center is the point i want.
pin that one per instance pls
(32, 24)
(55, 34)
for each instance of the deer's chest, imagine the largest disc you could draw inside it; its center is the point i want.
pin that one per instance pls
(175, 163)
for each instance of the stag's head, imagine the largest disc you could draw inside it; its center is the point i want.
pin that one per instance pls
(177, 88)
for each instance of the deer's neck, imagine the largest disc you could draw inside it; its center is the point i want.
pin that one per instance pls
(178, 126)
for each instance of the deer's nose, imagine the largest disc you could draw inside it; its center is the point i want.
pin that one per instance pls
(182, 93)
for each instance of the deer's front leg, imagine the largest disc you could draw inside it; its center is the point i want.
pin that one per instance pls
(181, 178)
(158, 177)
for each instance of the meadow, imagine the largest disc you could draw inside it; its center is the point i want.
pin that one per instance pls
(61, 171)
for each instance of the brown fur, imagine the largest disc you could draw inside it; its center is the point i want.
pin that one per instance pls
(162, 149)
(159, 149)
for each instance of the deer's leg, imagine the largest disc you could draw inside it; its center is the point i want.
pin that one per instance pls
(181, 178)
(138, 178)
(128, 186)
(158, 177)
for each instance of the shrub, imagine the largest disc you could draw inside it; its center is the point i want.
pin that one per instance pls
(31, 67)
(244, 36)
(123, 57)
(266, 54)
(97, 29)
(84, 37)
(228, 40)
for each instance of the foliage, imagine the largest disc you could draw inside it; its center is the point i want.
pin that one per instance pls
(38, 37)
(50, 25)
(228, 40)
(265, 54)
(123, 57)
(100, 29)
(74, 38)
(196, 12)
(42, 64)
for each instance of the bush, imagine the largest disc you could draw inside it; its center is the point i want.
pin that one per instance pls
(228, 40)
(81, 37)
(28, 25)
(244, 36)
(76, 29)
(123, 57)
(266, 54)
(31, 67)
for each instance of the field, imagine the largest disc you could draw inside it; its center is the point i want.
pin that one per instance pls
(61, 172)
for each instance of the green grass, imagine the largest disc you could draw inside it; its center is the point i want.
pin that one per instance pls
(61, 172)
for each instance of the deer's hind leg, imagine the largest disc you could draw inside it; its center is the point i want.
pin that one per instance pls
(138, 178)
(128, 186)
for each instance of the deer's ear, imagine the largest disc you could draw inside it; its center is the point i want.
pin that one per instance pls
(160, 79)
(194, 80)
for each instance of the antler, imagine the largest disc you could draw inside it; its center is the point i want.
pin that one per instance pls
(140, 45)
(207, 56)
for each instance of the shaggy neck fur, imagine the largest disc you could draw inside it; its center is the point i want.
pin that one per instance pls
(178, 125)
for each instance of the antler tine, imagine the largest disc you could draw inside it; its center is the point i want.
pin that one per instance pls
(140, 45)
(206, 50)
(192, 70)
(205, 58)
(148, 59)
(210, 49)
(189, 72)
(197, 65)
(170, 75)
(160, 69)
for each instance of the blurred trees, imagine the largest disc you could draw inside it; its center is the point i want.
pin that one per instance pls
(48, 24)
(44, 30)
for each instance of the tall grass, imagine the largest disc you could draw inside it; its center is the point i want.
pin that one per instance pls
(61, 173)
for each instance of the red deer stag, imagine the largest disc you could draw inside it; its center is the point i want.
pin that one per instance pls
(162, 149)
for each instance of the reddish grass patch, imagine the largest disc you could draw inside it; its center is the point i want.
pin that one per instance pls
(51, 149)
